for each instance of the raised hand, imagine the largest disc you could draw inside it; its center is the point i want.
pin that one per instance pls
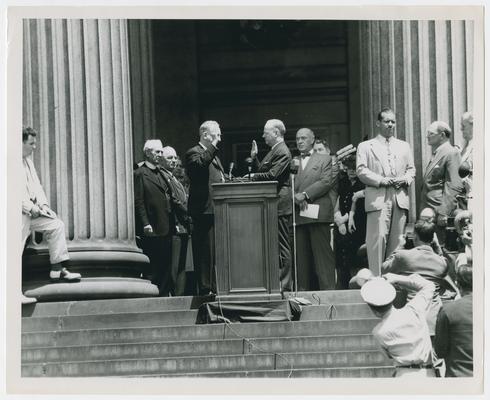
(254, 151)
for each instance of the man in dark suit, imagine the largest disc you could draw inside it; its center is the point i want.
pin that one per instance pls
(441, 184)
(275, 167)
(454, 328)
(204, 168)
(155, 210)
(180, 239)
(314, 255)
(421, 260)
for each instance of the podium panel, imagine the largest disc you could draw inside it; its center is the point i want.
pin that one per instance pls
(246, 238)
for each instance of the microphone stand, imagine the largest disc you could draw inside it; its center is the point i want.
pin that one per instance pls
(293, 173)
(294, 239)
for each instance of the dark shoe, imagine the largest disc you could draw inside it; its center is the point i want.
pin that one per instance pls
(64, 276)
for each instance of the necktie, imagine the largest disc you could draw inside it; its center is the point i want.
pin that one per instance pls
(391, 157)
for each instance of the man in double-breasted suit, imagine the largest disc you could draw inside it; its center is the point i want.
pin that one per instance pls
(155, 211)
(204, 168)
(315, 260)
(275, 167)
(385, 166)
(441, 184)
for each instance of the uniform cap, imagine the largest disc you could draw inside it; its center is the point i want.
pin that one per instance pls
(378, 292)
(362, 276)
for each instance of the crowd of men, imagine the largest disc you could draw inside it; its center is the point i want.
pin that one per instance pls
(350, 211)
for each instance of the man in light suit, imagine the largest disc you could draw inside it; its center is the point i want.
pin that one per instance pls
(313, 184)
(204, 168)
(421, 260)
(37, 216)
(441, 184)
(275, 167)
(385, 166)
(466, 167)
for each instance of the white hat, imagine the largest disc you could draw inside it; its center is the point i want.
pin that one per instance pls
(378, 292)
(362, 276)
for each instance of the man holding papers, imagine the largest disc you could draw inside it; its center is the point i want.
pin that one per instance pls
(314, 212)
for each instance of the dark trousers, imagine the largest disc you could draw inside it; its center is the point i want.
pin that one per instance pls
(204, 255)
(315, 258)
(159, 251)
(285, 270)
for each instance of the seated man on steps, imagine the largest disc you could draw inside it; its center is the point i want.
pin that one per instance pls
(38, 217)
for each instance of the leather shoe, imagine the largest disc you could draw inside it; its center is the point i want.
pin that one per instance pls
(64, 276)
(28, 300)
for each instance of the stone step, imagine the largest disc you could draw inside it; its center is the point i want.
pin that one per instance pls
(200, 347)
(197, 332)
(336, 311)
(361, 372)
(114, 306)
(327, 297)
(181, 365)
(151, 304)
(175, 317)
(99, 321)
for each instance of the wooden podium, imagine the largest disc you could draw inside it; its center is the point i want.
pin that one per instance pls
(246, 238)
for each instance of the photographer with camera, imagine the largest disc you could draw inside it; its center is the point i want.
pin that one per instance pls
(421, 259)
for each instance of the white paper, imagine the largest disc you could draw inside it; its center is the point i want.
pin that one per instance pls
(311, 211)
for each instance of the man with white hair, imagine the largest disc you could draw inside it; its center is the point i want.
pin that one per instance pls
(180, 239)
(275, 166)
(154, 217)
(204, 168)
(441, 183)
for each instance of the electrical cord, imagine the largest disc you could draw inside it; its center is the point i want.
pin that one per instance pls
(248, 340)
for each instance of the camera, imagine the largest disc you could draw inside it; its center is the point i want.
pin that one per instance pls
(451, 240)
(409, 236)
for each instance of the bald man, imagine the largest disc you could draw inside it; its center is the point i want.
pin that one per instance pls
(315, 181)
(180, 240)
(441, 184)
(204, 168)
(275, 167)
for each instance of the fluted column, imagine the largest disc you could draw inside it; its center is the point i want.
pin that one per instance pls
(423, 70)
(142, 84)
(77, 96)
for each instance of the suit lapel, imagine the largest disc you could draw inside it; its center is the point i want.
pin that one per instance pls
(379, 153)
(154, 179)
(440, 153)
(268, 156)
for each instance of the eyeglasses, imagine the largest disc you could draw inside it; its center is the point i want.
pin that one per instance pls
(430, 134)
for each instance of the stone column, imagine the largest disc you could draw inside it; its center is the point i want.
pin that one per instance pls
(142, 85)
(421, 69)
(77, 96)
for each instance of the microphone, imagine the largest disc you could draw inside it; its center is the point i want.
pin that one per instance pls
(232, 165)
(294, 166)
(249, 162)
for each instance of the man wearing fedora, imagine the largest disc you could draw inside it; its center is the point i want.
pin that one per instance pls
(402, 333)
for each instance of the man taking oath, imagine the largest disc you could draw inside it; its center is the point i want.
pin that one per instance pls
(385, 166)
(275, 167)
(315, 259)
